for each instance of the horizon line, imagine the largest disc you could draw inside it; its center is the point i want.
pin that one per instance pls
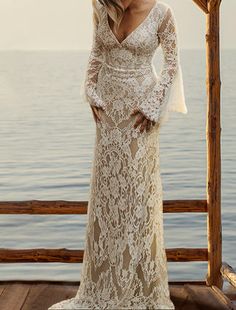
(87, 50)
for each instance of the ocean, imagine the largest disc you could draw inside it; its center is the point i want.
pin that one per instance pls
(47, 136)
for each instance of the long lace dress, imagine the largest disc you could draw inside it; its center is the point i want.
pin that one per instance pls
(125, 265)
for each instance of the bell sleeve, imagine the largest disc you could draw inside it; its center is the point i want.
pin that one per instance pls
(168, 93)
(88, 88)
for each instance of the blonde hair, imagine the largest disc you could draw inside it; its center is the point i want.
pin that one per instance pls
(114, 8)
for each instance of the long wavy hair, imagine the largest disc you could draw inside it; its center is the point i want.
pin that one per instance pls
(114, 8)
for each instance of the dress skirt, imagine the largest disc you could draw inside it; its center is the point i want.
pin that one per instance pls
(125, 265)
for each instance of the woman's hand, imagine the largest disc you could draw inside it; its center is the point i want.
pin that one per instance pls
(96, 112)
(145, 122)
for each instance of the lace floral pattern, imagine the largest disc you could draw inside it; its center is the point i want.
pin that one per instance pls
(125, 265)
(156, 105)
(94, 65)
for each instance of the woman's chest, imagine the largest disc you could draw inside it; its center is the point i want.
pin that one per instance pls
(142, 39)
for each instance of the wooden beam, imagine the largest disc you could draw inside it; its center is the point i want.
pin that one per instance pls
(41, 255)
(202, 4)
(213, 133)
(43, 207)
(80, 207)
(223, 298)
(64, 255)
(187, 254)
(43, 281)
(228, 273)
(61, 282)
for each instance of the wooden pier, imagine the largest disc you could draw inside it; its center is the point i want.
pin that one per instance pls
(187, 295)
(26, 295)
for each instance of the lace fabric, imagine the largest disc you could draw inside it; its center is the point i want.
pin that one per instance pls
(94, 64)
(125, 264)
(168, 93)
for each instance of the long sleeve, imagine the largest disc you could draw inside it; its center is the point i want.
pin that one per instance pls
(89, 91)
(168, 93)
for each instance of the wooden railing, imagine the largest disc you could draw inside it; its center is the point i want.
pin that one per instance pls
(63, 255)
(80, 207)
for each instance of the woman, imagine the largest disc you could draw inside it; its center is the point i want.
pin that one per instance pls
(125, 264)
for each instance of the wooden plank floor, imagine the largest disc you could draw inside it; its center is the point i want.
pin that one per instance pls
(39, 296)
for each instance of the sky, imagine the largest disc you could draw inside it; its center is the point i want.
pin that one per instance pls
(67, 24)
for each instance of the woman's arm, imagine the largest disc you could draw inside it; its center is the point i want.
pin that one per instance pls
(94, 64)
(154, 107)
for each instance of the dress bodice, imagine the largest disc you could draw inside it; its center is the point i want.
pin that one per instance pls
(156, 95)
(137, 49)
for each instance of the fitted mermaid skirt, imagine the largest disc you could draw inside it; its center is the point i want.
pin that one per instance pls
(124, 264)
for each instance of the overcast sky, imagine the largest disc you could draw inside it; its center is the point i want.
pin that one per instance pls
(67, 24)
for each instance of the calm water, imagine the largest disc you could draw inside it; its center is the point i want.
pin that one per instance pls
(47, 138)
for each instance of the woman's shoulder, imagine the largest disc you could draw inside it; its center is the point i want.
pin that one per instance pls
(163, 6)
(99, 10)
(98, 4)
(165, 11)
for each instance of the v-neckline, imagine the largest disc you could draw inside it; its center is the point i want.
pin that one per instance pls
(132, 32)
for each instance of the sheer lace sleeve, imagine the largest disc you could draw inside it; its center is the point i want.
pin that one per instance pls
(89, 91)
(168, 93)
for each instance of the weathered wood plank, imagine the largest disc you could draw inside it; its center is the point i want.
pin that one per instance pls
(42, 296)
(221, 296)
(14, 296)
(80, 207)
(76, 256)
(2, 288)
(180, 298)
(204, 298)
(36, 297)
(77, 283)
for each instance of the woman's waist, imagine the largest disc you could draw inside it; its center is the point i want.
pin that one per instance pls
(134, 69)
(137, 83)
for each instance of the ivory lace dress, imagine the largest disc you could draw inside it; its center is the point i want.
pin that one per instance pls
(125, 265)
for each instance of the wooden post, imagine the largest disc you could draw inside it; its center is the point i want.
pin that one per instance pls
(213, 134)
(202, 4)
